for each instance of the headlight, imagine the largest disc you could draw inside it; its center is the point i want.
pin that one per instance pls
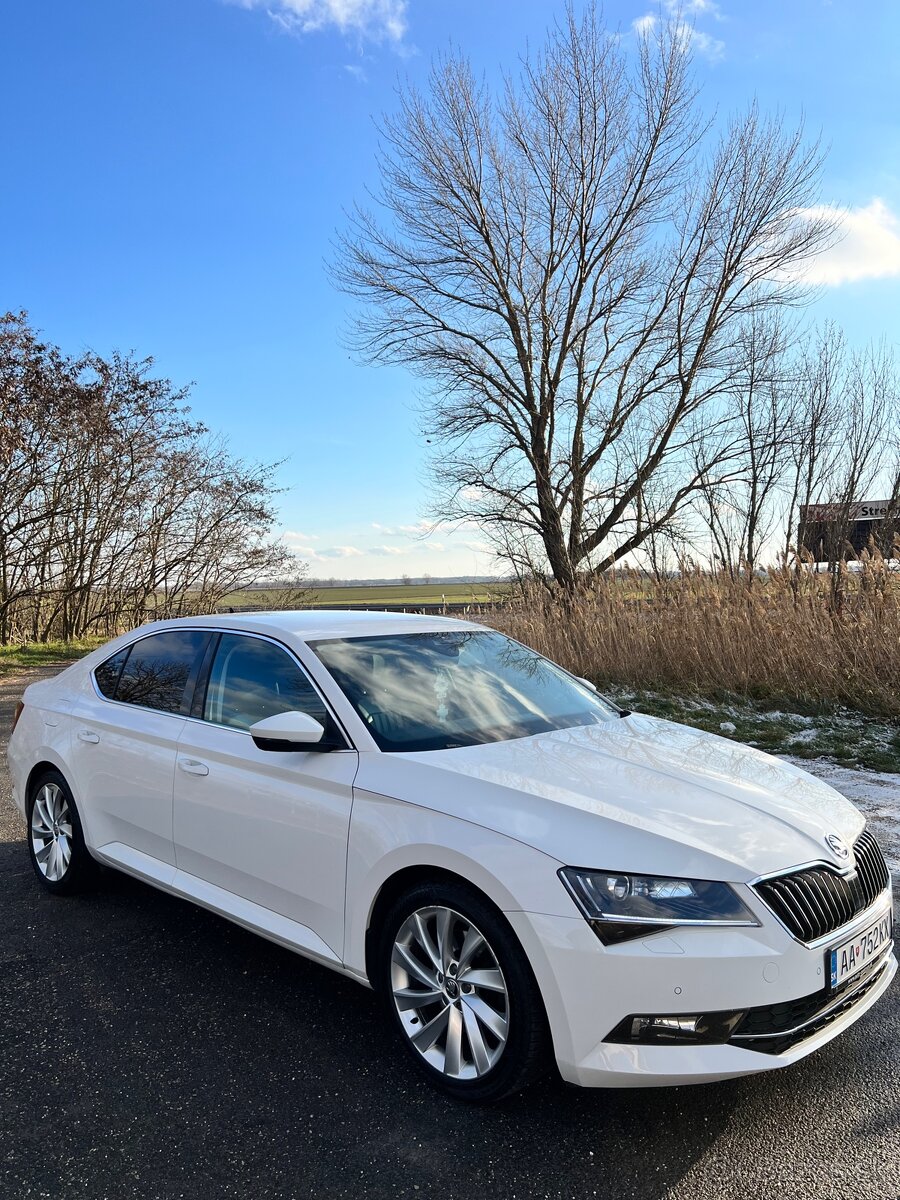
(621, 906)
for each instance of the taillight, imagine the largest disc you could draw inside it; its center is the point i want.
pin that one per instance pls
(16, 714)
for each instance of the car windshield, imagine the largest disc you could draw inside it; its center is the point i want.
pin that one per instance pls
(440, 690)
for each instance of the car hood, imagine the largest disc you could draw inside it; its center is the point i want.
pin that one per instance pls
(640, 794)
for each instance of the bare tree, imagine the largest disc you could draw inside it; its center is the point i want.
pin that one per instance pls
(845, 416)
(571, 267)
(742, 512)
(115, 508)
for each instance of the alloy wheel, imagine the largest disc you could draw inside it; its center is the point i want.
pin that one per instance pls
(450, 993)
(51, 832)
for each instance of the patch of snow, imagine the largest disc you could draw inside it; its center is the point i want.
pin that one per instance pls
(803, 738)
(728, 727)
(791, 718)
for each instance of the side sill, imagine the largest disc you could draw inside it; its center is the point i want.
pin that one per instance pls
(290, 934)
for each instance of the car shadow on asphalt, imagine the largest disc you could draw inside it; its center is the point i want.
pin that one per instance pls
(178, 1038)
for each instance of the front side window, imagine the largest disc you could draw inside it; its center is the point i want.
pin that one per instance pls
(436, 691)
(252, 679)
(159, 668)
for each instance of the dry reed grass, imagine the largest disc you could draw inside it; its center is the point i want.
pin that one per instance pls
(793, 636)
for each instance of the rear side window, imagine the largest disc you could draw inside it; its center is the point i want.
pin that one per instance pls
(252, 679)
(159, 669)
(107, 674)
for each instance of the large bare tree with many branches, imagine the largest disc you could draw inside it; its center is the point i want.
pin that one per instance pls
(572, 266)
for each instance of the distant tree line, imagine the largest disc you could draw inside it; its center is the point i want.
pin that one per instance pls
(115, 507)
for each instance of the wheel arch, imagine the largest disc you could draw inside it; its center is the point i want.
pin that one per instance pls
(406, 878)
(401, 881)
(41, 768)
(49, 761)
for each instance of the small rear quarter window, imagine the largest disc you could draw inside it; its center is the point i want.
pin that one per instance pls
(108, 673)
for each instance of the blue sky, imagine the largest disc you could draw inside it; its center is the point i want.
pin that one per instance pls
(175, 170)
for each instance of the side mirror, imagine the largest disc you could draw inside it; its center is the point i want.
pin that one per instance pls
(287, 731)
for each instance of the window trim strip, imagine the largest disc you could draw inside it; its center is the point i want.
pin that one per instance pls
(206, 664)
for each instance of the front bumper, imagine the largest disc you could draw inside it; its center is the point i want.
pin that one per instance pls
(589, 989)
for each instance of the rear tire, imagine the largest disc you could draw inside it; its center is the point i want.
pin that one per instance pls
(460, 990)
(55, 838)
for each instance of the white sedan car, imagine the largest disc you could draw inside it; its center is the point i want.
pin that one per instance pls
(523, 871)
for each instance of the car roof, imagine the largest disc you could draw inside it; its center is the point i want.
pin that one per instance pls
(310, 624)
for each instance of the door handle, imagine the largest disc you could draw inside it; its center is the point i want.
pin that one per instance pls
(193, 766)
(88, 735)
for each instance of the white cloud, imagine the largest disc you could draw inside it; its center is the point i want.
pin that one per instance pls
(299, 543)
(411, 547)
(341, 552)
(869, 248)
(379, 20)
(711, 48)
(357, 72)
(684, 14)
(418, 530)
(694, 8)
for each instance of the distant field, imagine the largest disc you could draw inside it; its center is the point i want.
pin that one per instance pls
(374, 595)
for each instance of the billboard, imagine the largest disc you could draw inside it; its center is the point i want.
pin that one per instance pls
(835, 531)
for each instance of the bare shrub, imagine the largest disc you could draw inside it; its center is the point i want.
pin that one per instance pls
(115, 507)
(781, 639)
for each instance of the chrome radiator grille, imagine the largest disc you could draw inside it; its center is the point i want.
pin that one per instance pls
(816, 901)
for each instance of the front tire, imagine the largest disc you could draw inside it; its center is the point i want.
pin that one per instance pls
(55, 838)
(458, 986)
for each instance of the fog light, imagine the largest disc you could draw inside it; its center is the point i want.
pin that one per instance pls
(641, 1025)
(699, 1028)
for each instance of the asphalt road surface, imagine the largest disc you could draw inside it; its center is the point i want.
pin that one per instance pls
(151, 1049)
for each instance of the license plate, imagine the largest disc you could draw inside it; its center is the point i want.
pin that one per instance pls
(850, 957)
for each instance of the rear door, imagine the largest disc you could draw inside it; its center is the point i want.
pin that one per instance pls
(125, 729)
(266, 826)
